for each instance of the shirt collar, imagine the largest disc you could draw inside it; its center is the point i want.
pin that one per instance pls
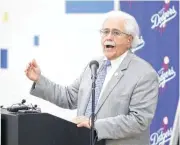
(118, 60)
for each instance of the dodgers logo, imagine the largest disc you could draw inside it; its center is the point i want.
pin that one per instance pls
(165, 15)
(140, 46)
(160, 137)
(163, 135)
(166, 73)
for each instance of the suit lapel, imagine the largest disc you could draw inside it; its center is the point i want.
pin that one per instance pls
(114, 80)
(85, 99)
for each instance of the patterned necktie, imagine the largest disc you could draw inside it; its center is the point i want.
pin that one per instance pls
(99, 83)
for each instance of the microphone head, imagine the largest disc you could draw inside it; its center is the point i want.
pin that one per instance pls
(23, 101)
(94, 62)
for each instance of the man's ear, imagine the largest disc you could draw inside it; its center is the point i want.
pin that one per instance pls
(130, 38)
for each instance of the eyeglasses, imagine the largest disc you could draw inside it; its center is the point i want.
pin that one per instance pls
(114, 32)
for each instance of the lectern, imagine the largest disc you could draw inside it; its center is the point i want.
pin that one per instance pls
(41, 129)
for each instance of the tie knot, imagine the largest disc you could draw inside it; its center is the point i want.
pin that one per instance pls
(107, 63)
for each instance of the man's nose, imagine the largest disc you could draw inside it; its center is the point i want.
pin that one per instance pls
(110, 36)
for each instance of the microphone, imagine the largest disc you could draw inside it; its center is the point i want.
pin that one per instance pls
(17, 108)
(23, 101)
(94, 65)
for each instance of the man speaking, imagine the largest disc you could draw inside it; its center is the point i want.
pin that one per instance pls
(126, 86)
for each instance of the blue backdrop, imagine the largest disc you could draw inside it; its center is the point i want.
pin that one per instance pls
(159, 23)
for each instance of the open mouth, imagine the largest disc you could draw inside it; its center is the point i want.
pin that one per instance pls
(109, 46)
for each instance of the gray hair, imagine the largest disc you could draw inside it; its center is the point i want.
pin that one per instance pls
(131, 26)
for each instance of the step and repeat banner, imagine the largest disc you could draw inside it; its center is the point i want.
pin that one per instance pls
(159, 23)
(63, 36)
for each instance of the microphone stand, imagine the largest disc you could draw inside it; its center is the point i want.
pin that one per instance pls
(93, 109)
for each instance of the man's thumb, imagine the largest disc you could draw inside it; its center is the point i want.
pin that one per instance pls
(34, 63)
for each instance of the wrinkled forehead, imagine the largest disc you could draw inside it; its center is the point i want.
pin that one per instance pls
(114, 23)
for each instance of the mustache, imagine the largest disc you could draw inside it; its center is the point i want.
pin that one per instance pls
(108, 42)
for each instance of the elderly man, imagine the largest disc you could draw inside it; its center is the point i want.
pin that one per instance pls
(126, 86)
